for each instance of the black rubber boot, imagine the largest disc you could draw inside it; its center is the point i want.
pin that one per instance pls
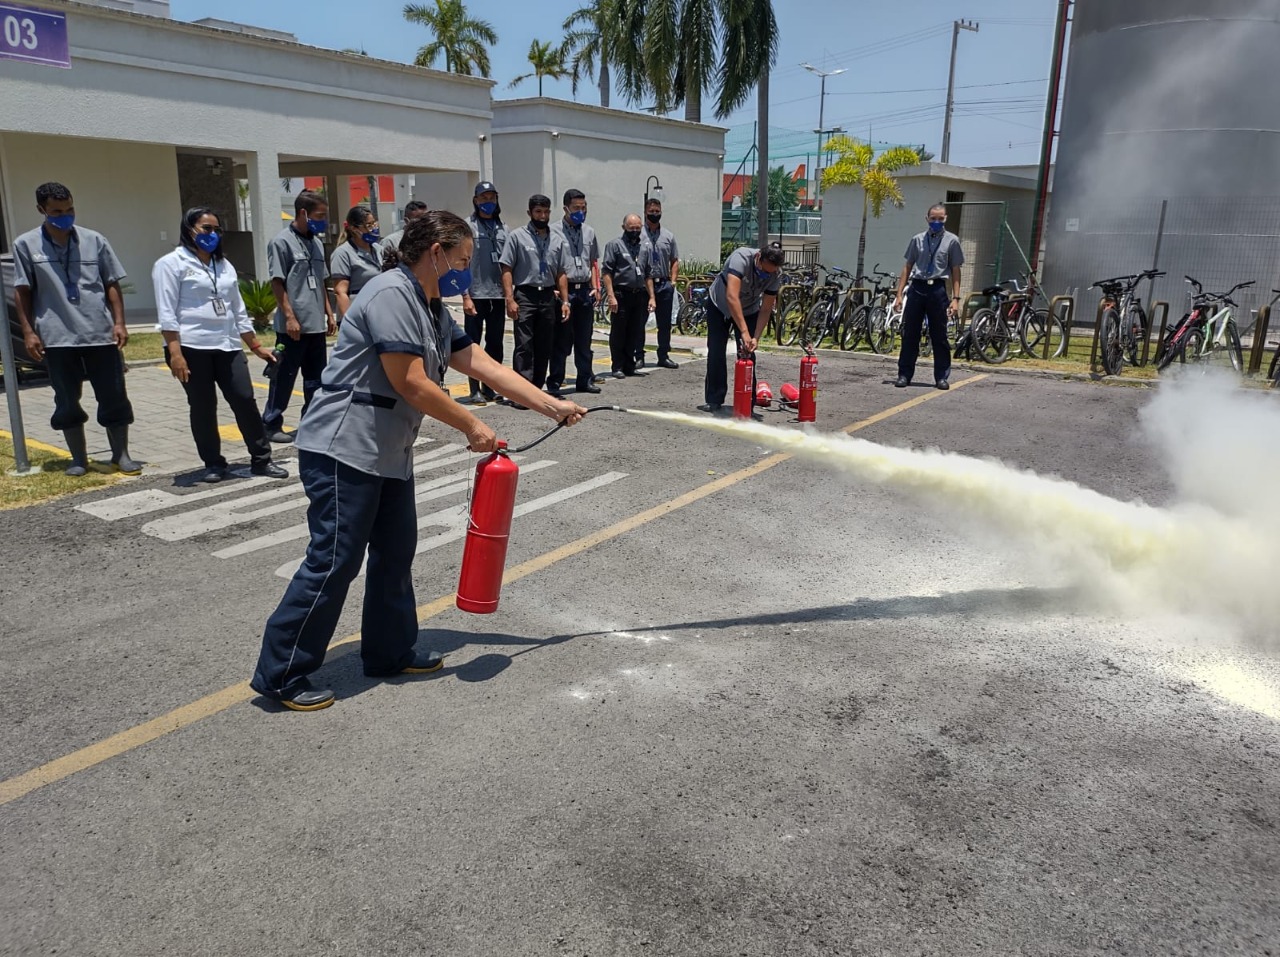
(79, 449)
(118, 436)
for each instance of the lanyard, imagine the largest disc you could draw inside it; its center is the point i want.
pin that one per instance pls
(66, 260)
(306, 245)
(443, 331)
(626, 251)
(491, 232)
(542, 244)
(933, 254)
(570, 230)
(212, 273)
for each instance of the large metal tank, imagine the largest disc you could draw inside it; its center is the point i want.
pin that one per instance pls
(1170, 147)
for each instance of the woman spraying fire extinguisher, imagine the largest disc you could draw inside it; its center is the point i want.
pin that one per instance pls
(355, 459)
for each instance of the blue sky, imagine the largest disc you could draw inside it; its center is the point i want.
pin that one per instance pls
(896, 56)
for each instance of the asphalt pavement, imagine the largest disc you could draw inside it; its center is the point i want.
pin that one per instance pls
(731, 704)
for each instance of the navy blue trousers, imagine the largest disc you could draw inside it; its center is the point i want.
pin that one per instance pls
(350, 511)
(574, 337)
(307, 353)
(664, 299)
(924, 300)
(487, 325)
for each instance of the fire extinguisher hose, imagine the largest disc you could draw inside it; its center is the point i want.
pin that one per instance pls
(556, 428)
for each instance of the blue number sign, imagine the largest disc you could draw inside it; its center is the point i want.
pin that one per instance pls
(34, 36)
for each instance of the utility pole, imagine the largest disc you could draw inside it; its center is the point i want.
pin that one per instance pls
(762, 170)
(822, 102)
(972, 26)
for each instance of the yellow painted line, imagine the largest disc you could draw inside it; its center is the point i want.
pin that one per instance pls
(230, 433)
(219, 701)
(265, 388)
(35, 444)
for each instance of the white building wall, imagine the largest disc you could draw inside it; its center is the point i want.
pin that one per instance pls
(126, 191)
(609, 155)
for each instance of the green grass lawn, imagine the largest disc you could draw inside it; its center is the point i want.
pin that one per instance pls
(149, 346)
(49, 482)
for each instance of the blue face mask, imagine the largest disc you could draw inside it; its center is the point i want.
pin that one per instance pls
(62, 222)
(453, 282)
(578, 216)
(208, 241)
(317, 226)
(488, 209)
(936, 227)
(761, 274)
(372, 236)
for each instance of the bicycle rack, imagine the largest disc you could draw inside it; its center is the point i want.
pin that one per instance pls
(1068, 314)
(1097, 336)
(1259, 350)
(1161, 308)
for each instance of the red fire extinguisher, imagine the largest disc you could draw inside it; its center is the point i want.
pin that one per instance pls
(743, 394)
(808, 389)
(789, 394)
(484, 556)
(764, 395)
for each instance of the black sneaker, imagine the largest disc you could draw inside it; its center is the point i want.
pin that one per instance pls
(475, 398)
(280, 437)
(213, 476)
(422, 663)
(268, 469)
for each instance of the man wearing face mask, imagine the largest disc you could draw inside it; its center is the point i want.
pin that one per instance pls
(533, 269)
(933, 257)
(665, 257)
(298, 271)
(414, 209)
(628, 286)
(71, 311)
(582, 268)
(483, 306)
(741, 299)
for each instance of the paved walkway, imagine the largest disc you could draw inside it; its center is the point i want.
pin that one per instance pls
(161, 437)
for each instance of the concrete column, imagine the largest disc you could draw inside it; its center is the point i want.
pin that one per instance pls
(264, 198)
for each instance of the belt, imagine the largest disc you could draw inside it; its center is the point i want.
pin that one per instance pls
(529, 289)
(921, 281)
(585, 284)
(360, 398)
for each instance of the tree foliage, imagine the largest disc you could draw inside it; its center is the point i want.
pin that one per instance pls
(547, 59)
(464, 40)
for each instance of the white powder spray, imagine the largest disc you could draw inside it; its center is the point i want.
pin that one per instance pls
(1214, 552)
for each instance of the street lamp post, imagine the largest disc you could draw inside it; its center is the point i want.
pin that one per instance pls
(657, 192)
(822, 102)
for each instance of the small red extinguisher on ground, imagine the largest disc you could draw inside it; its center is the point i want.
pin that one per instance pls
(788, 394)
(764, 395)
(484, 556)
(808, 389)
(743, 392)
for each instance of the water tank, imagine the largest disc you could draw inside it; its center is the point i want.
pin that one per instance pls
(1169, 149)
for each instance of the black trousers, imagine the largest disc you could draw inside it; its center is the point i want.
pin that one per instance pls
(574, 336)
(490, 321)
(626, 328)
(925, 300)
(664, 297)
(307, 353)
(535, 332)
(68, 367)
(716, 386)
(229, 373)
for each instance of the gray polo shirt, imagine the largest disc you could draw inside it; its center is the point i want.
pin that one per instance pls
(490, 237)
(534, 261)
(628, 266)
(68, 286)
(582, 249)
(391, 242)
(742, 263)
(357, 266)
(663, 252)
(932, 256)
(299, 262)
(356, 416)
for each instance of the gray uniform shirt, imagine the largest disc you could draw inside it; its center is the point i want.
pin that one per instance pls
(663, 253)
(628, 266)
(357, 266)
(742, 263)
(68, 286)
(490, 237)
(533, 260)
(932, 256)
(582, 249)
(356, 416)
(299, 262)
(391, 242)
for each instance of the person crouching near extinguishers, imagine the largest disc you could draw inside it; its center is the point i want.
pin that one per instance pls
(741, 298)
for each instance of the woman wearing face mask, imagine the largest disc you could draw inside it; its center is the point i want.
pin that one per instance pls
(357, 260)
(203, 321)
(355, 458)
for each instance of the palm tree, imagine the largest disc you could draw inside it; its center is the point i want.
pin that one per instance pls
(858, 165)
(592, 36)
(688, 46)
(784, 194)
(547, 59)
(463, 40)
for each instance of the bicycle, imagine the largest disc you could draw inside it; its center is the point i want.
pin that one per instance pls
(874, 315)
(794, 299)
(1204, 332)
(691, 320)
(1125, 325)
(832, 307)
(1011, 314)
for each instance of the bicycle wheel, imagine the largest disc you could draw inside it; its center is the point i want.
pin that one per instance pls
(813, 329)
(603, 317)
(853, 326)
(1110, 346)
(1170, 348)
(991, 336)
(790, 319)
(1136, 329)
(881, 333)
(1032, 332)
(1273, 373)
(1234, 349)
(692, 320)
